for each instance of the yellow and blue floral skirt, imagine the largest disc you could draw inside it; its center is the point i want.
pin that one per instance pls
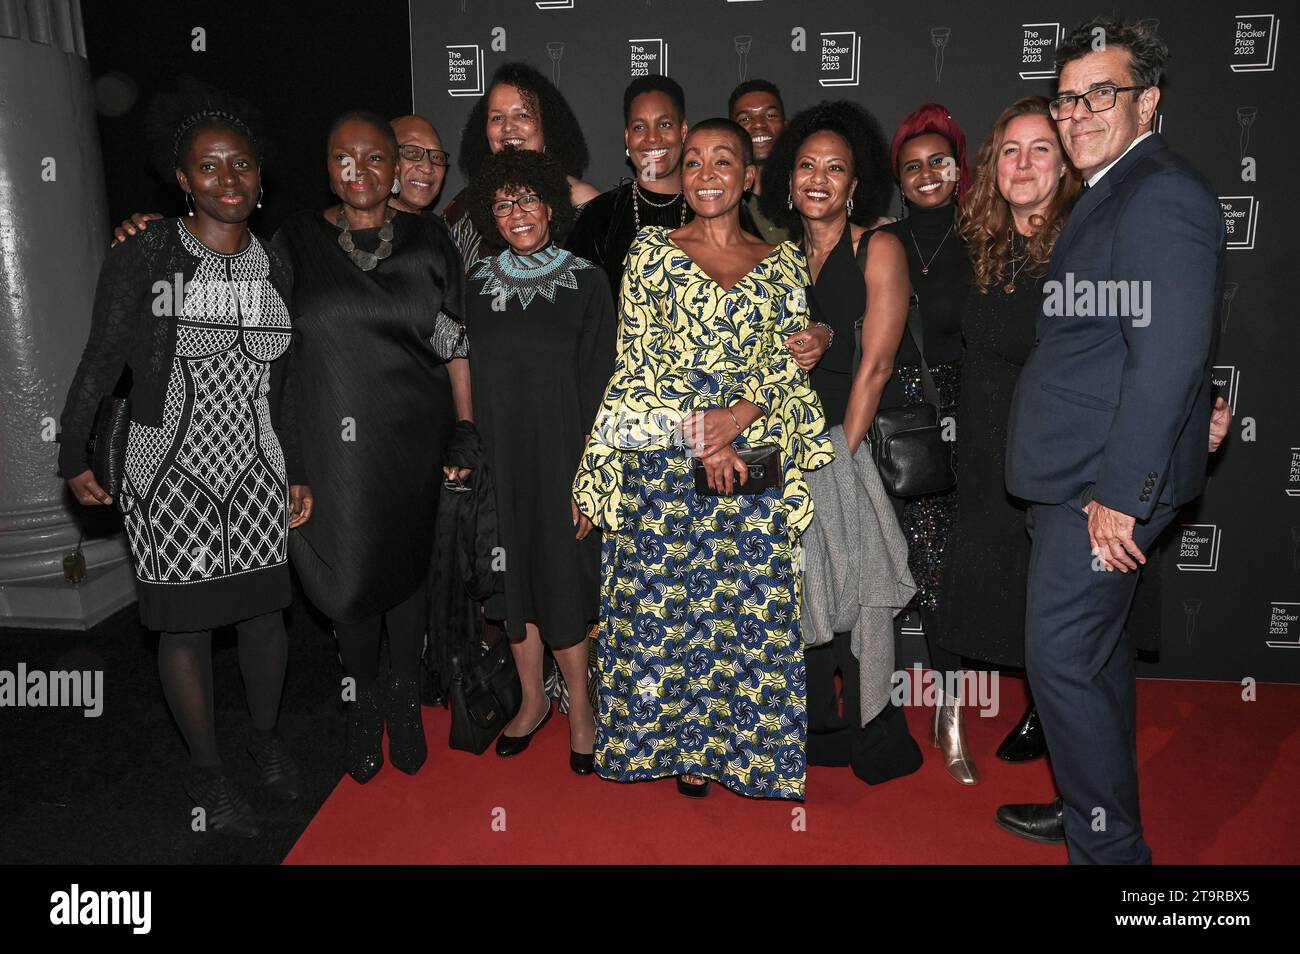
(701, 661)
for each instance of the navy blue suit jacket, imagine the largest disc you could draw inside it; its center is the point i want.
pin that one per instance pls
(1113, 394)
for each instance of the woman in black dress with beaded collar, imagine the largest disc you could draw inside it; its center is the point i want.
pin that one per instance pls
(372, 289)
(928, 155)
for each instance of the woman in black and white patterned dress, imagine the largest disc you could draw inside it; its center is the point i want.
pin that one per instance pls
(206, 495)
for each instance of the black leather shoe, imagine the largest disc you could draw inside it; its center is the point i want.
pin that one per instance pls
(225, 808)
(365, 752)
(693, 790)
(582, 764)
(1026, 741)
(1041, 823)
(509, 745)
(407, 748)
(280, 776)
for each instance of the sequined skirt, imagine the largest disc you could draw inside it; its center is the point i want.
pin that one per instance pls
(927, 521)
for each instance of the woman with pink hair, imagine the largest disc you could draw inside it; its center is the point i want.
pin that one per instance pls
(928, 156)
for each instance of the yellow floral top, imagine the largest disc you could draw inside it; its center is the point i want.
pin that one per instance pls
(686, 343)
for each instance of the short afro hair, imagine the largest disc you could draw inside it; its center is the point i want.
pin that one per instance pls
(381, 125)
(722, 124)
(866, 141)
(1147, 53)
(519, 170)
(753, 86)
(564, 140)
(654, 83)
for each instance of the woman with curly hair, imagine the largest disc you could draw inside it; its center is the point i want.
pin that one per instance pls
(542, 321)
(826, 181)
(212, 482)
(522, 109)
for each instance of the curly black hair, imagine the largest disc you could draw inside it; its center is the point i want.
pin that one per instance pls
(519, 170)
(1147, 52)
(866, 139)
(173, 120)
(564, 139)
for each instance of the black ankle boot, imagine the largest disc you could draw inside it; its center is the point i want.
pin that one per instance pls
(225, 808)
(1026, 741)
(280, 776)
(365, 734)
(407, 748)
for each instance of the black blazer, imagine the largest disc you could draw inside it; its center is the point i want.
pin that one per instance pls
(1117, 392)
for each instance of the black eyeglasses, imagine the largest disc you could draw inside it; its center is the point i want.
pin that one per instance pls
(1097, 100)
(505, 206)
(414, 153)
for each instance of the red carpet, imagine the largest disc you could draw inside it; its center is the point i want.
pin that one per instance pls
(1219, 776)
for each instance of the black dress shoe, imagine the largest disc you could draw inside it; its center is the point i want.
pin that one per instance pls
(1041, 823)
(365, 753)
(280, 775)
(407, 748)
(582, 764)
(508, 745)
(1026, 741)
(693, 790)
(225, 809)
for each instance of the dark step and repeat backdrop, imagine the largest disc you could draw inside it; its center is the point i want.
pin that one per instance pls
(1231, 572)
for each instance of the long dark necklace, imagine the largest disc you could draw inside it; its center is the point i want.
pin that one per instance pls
(638, 198)
(360, 258)
(1010, 286)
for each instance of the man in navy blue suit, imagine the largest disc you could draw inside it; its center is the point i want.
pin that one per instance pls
(1107, 436)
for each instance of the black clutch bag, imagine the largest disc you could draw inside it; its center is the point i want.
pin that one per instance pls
(764, 462)
(107, 446)
(485, 695)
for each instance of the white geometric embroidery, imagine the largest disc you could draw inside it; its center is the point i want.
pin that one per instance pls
(258, 519)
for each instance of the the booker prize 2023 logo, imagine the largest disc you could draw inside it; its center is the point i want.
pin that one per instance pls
(464, 69)
(1254, 42)
(1198, 547)
(1038, 43)
(648, 57)
(1240, 216)
(1293, 474)
(1283, 628)
(841, 59)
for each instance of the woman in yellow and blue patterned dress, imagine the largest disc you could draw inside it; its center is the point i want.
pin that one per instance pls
(701, 660)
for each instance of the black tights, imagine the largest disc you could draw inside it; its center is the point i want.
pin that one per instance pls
(359, 641)
(185, 667)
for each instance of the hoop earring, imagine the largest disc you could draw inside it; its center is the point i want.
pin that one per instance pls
(260, 192)
(628, 153)
(397, 187)
(189, 203)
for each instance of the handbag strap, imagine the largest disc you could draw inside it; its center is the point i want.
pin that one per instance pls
(928, 388)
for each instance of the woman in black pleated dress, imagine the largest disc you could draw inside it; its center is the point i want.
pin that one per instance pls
(377, 411)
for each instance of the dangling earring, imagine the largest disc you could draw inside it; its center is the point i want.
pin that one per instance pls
(628, 153)
(789, 200)
(189, 202)
(260, 192)
(848, 206)
(397, 187)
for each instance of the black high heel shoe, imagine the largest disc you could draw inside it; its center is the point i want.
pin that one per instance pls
(692, 791)
(225, 808)
(1026, 741)
(582, 764)
(511, 745)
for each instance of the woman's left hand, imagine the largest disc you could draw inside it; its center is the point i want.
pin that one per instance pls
(580, 520)
(300, 505)
(725, 469)
(706, 431)
(809, 345)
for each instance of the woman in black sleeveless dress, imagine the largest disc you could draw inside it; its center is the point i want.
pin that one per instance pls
(831, 163)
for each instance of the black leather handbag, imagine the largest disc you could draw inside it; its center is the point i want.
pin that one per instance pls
(107, 446)
(907, 442)
(764, 463)
(485, 695)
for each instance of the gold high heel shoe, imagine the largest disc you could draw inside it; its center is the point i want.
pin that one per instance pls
(949, 735)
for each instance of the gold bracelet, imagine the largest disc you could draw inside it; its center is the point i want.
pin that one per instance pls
(732, 415)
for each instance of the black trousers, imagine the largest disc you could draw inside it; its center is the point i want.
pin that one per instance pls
(1079, 657)
(877, 752)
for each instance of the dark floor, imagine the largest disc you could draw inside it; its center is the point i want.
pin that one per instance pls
(77, 790)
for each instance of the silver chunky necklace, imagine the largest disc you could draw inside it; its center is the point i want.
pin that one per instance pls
(362, 259)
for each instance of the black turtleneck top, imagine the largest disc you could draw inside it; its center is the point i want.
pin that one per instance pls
(930, 236)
